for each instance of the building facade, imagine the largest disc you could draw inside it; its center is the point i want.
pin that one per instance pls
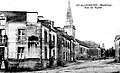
(81, 50)
(29, 42)
(117, 47)
(49, 42)
(23, 37)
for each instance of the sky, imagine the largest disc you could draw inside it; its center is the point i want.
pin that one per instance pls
(98, 25)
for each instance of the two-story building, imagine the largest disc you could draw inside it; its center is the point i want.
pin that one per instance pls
(82, 49)
(117, 47)
(65, 45)
(28, 42)
(48, 42)
(22, 35)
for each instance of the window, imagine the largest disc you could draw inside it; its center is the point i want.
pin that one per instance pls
(119, 52)
(49, 37)
(2, 31)
(2, 36)
(119, 43)
(63, 55)
(66, 56)
(68, 45)
(2, 39)
(32, 43)
(2, 49)
(2, 19)
(53, 39)
(20, 53)
(81, 50)
(64, 43)
(73, 45)
(45, 37)
(45, 52)
(54, 53)
(21, 34)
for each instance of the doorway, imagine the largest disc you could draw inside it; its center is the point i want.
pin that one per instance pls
(1, 55)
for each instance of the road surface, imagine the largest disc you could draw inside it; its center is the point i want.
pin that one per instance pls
(98, 66)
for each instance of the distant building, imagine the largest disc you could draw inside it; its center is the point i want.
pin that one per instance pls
(117, 47)
(81, 49)
(85, 51)
(66, 46)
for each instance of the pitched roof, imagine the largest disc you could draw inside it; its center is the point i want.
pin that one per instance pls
(15, 16)
(117, 37)
(45, 23)
(82, 43)
(64, 34)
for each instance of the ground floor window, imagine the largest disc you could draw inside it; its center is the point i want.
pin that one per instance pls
(20, 53)
(69, 56)
(54, 53)
(63, 55)
(45, 52)
(32, 44)
(66, 56)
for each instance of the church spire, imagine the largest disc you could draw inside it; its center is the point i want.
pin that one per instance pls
(69, 27)
(69, 14)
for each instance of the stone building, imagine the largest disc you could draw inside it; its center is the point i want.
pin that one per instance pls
(65, 46)
(81, 49)
(22, 31)
(49, 42)
(28, 42)
(117, 47)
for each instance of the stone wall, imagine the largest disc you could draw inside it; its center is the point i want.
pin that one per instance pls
(24, 64)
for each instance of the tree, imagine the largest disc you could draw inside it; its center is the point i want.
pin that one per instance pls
(110, 52)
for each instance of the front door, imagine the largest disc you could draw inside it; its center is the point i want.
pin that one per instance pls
(1, 55)
(2, 52)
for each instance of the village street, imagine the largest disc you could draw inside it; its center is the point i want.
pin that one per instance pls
(98, 66)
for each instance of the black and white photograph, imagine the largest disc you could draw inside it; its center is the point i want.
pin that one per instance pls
(60, 36)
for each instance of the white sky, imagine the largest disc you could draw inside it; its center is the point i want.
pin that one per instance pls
(98, 25)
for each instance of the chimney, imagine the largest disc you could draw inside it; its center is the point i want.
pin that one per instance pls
(52, 22)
